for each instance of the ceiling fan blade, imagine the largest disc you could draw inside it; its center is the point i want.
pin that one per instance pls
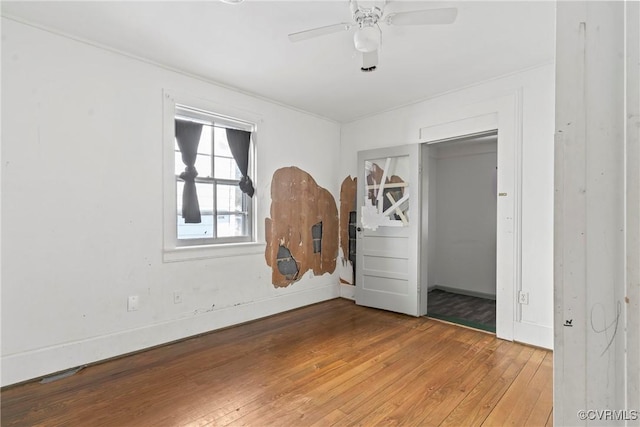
(320, 31)
(369, 61)
(423, 17)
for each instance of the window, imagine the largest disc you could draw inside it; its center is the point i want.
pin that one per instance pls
(209, 162)
(212, 158)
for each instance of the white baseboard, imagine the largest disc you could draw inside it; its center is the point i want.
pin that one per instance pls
(528, 333)
(28, 365)
(347, 291)
(468, 292)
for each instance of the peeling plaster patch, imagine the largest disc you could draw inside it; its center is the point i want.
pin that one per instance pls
(345, 269)
(297, 204)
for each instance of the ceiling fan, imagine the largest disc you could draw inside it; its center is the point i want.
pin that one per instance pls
(367, 16)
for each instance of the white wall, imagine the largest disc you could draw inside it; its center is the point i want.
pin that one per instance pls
(597, 187)
(464, 224)
(534, 91)
(82, 200)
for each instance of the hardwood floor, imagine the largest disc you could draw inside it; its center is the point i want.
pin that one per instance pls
(332, 363)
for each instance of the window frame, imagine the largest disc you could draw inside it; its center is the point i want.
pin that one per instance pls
(202, 110)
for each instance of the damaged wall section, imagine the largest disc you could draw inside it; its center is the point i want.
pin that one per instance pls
(304, 221)
(348, 191)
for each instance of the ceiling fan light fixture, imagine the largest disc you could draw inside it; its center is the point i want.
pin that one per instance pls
(232, 1)
(369, 61)
(367, 39)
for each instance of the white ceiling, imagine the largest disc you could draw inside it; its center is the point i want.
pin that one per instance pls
(246, 46)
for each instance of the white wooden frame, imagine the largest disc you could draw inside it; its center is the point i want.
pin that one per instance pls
(172, 252)
(504, 115)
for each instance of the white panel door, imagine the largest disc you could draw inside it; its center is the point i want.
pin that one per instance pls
(387, 245)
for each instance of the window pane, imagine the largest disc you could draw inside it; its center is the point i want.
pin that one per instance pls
(221, 146)
(205, 199)
(392, 204)
(232, 225)
(225, 211)
(204, 147)
(203, 165)
(229, 198)
(226, 168)
(203, 159)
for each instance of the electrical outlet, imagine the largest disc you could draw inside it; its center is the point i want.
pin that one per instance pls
(133, 303)
(523, 298)
(177, 297)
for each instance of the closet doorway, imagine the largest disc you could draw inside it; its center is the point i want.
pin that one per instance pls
(461, 201)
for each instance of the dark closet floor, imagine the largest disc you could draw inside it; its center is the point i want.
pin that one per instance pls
(479, 313)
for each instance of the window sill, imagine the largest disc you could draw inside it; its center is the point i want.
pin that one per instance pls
(188, 253)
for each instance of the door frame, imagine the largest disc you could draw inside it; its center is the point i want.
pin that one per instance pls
(505, 115)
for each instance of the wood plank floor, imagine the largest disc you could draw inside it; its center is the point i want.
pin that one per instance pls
(332, 363)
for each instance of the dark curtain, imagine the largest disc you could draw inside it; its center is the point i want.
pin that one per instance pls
(239, 141)
(188, 137)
